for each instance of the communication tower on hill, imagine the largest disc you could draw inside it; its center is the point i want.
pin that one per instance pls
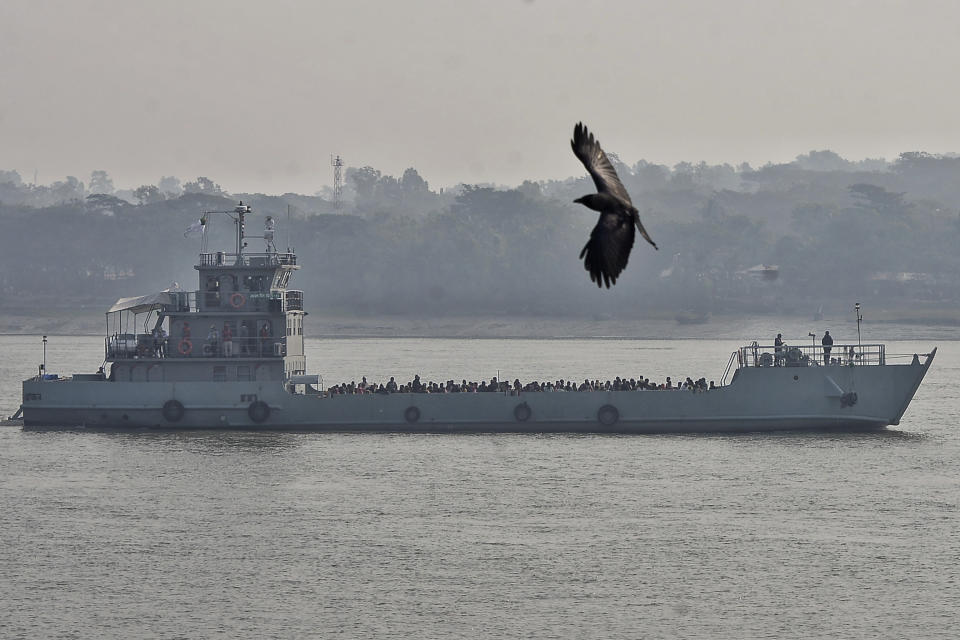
(337, 164)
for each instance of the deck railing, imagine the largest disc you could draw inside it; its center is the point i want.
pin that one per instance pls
(294, 300)
(811, 355)
(224, 259)
(184, 300)
(141, 346)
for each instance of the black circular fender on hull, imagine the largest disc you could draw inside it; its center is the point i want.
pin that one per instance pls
(258, 411)
(522, 412)
(411, 415)
(173, 410)
(608, 415)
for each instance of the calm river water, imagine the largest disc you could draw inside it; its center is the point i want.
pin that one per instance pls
(250, 535)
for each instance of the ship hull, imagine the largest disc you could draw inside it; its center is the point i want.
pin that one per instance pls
(757, 399)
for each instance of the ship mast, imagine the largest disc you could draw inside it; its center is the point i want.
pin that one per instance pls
(240, 210)
(239, 223)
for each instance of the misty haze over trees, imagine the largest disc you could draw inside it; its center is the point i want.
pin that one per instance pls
(883, 233)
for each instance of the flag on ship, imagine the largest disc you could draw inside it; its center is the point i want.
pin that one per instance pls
(196, 227)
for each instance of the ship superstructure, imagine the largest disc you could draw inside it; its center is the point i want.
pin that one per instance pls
(242, 324)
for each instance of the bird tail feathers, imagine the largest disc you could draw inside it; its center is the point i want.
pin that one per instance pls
(644, 233)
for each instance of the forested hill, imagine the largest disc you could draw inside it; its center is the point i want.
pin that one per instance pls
(883, 234)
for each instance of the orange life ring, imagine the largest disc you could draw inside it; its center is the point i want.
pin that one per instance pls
(185, 347)
(237, 300)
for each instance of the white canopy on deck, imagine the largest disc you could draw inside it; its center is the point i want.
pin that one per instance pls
(141, 304)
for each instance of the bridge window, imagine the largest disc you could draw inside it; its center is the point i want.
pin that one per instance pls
(253, 283)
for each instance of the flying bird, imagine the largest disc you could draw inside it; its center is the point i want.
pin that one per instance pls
(606, 253)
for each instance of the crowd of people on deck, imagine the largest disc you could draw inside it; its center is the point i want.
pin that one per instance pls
(516, 387)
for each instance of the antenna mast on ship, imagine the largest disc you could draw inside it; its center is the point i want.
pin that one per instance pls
(240, 210)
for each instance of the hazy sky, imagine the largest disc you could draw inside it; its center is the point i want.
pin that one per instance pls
(257, 95)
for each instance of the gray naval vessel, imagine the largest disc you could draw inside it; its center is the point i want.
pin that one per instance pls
(231, 355)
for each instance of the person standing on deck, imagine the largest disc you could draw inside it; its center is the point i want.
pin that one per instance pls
(227, 340)
(268, 230)
(778, 350)
(266, 332)
(827, 343)
(213, 337)
(244, 333)
(155, 336)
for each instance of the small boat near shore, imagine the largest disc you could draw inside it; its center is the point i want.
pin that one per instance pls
(230, 355)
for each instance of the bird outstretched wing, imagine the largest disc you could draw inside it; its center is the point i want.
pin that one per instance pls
(606, 253)
(598, 165)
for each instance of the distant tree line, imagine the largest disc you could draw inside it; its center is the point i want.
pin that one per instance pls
(827, 229)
